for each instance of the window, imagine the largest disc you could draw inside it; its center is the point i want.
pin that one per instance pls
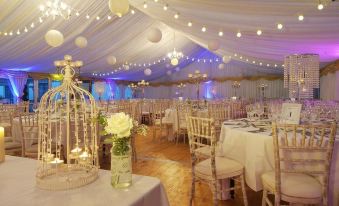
(2, 92)
(55, 83)
(6, 95)
(43, 87)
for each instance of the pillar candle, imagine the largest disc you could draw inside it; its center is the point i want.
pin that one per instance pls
(2, 144)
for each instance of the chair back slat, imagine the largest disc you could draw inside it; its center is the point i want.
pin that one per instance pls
(303, 149)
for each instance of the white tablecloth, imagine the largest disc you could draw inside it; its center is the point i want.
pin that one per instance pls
(255, 152)
(17, 187)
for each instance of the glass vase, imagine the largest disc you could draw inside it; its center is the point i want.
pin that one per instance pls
(121, 164)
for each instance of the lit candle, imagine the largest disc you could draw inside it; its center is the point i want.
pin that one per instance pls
(84, 155)
(76, 150)
(56, 161)
(2, 144)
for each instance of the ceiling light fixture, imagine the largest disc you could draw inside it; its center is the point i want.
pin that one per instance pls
(56, 8)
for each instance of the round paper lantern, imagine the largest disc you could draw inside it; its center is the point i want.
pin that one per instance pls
(169, 73)
(174, 61)
(81, 42)
(213, 45)
(118, 7)
(154, 35)
(147, 71)
(177, 69)
(221, 66)
(126, 67)
(226, 59)
(54, 38)
(111, 60)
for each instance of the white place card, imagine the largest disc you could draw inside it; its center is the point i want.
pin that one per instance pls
(290, 113)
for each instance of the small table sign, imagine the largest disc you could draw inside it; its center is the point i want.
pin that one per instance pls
(2, 144)
(290, 113)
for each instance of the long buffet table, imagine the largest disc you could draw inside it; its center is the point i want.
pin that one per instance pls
(17, 187)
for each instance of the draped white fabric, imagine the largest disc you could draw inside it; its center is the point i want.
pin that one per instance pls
(18, 81)
(248, 90)
(126, 37)
(18, 85)
(316, 34)
(329, 86)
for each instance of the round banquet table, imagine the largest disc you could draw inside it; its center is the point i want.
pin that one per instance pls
(18, 187)
(255, 151)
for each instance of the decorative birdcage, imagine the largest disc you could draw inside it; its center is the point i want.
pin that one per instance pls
(67, 147)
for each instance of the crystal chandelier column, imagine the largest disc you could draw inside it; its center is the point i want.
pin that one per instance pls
(301, 75)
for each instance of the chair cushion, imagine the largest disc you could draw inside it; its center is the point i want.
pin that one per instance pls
(206, 151)
(12, 145)
(295, 184)
(225, 167)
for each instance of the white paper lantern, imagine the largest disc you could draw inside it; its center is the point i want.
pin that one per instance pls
(226, 59)
(213, 45)
(169, 72)
(126, 67)
(81, 42)
(154, 35)
(148, 72)
(111, 60)
(221, 66)
(54, 38)
(119, 7)
(174, 61)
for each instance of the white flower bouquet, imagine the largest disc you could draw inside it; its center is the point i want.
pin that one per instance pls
(120, 126)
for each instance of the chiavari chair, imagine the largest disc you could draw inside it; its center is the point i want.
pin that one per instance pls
(213, 169)
(158, 123)
(303, 155)
(219, 112)
(30, 131)
(182, 111)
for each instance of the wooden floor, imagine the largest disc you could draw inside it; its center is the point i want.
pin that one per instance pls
(170, 163)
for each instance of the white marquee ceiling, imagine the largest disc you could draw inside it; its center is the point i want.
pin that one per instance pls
(126, 39)
(317, 33)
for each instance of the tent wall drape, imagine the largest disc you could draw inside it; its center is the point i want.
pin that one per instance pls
(208, 90)
(329, 86)
(220, 89)
(18, 81)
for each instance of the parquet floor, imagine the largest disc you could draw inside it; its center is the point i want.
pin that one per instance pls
(170, 163)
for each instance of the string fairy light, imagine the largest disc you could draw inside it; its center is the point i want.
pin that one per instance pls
(204, 28)
(166, 7)
(134, 65)
(42, 19)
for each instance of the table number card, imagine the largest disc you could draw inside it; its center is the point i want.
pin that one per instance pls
(290, 113)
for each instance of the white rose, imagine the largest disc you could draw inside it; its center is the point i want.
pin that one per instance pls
(119, 124)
